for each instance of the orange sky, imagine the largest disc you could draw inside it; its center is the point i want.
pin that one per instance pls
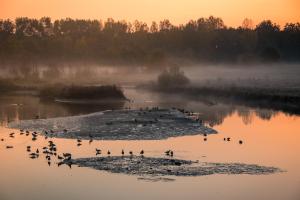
(178, 11)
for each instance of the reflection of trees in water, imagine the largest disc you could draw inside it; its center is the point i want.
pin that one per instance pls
(28, 107)
(265, 114)
(245, 114)
(16, 108)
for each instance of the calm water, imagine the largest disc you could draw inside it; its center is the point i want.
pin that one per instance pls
(270, 138)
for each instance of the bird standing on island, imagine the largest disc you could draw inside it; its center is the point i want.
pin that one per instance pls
(142, 153)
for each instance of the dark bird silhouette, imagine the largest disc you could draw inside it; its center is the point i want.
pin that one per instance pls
(2, 139)
(79, 140)
(59, 157)
(122, 152)
(37, 151)
(167, 152)
(142, 153)
(205, 139)
(9, 147)
(228, 139)
(67, 155)
(131, 153)
(98, 151)
(240, 142)
(171, 153)
(108, 152)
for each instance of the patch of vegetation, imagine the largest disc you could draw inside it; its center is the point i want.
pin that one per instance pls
(172, 78)
(83, 92)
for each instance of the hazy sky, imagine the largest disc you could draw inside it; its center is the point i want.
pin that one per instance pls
(178, 11)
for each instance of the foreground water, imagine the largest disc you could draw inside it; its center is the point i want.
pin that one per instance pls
(270, 138)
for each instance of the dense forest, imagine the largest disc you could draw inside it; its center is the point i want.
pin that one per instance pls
(204, 40)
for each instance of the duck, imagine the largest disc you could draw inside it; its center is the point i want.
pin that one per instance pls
(240, 142)
(9, 147)
(131, 153)
(108, 152)
(122, 152)
(37, 151)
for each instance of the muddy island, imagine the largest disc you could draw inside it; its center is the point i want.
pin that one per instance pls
(143, 124)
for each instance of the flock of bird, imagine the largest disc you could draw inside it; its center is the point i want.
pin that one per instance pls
(50, 151)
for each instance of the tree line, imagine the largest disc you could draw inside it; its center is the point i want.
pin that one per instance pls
(110, 41)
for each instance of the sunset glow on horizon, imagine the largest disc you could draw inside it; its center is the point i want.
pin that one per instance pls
(177, 11)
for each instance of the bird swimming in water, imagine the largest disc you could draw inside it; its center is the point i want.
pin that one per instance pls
(228, 139)
(37, 151)
(9, 147)
(108, 152)
(205, 139)
(122, 152)
(131, 153)
(240, 142)
(2, 139)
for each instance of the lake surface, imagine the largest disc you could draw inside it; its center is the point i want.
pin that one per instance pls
(270, 138)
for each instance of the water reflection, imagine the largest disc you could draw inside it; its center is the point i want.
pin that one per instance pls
(22, 107)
